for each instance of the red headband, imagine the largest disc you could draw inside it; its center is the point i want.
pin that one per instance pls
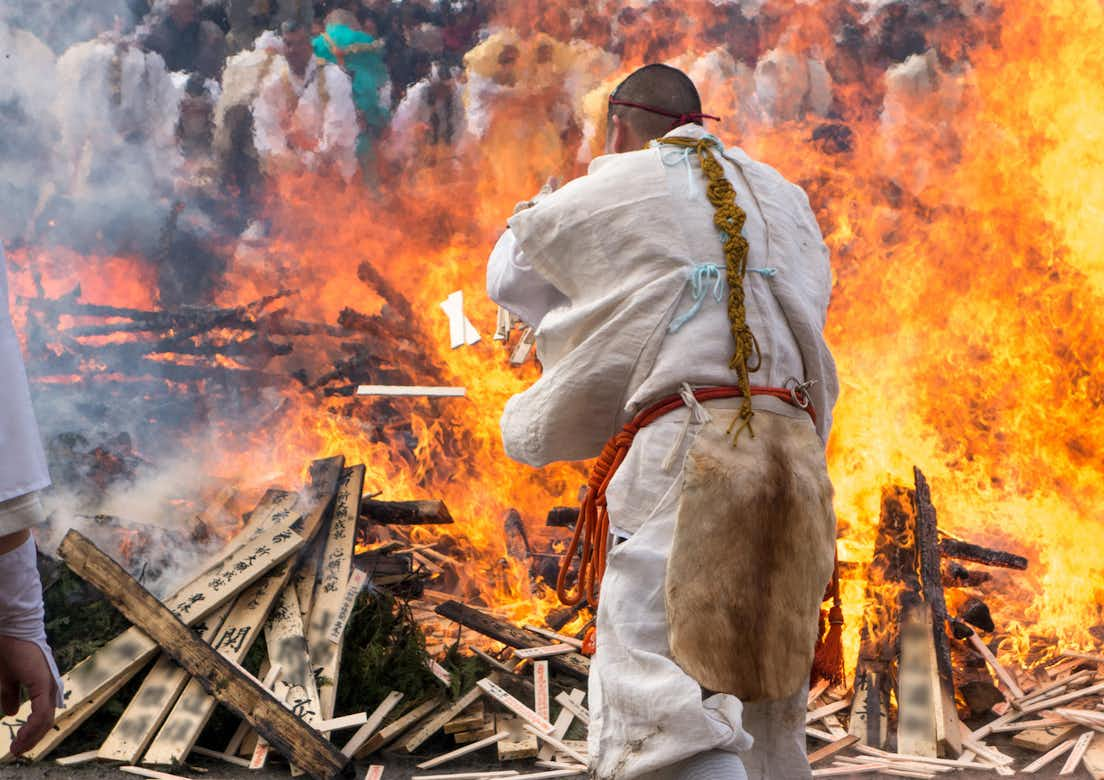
(680, 119)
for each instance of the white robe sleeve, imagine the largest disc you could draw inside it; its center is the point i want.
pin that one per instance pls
(339, 124)
(270, 109)
(516, 286)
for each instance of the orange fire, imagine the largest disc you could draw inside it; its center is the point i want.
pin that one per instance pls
(960, 194)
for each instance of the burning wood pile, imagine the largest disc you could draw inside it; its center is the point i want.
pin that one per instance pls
(920, 664)
(293, 574)
(297, 567)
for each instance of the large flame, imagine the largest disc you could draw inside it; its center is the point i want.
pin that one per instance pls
(960, 194)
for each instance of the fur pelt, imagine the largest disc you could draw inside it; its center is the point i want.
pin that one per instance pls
(752, 553)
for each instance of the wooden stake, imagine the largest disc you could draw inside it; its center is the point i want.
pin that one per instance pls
(430, 512)
(545, 652)
(489, 685)
(146, 713)
(574, 664)
(221, 756)
(1094, 759)
(438, 721)
(558, 744)
(242, 696)
(574, 705)
(1077, 753)
(540, 689)
(917, 687)
(832, 748)
(567, 640)
(464, 750)
(390, 732)
(77, 758)
(563, 720)
(1049, 758)
(332, 592)
(93, 681)
(236, 636)
(372, 726)
(1002, 674)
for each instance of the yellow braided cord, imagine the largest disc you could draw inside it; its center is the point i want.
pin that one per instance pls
(729, 220)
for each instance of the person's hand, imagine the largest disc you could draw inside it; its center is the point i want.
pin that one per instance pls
(23, 665)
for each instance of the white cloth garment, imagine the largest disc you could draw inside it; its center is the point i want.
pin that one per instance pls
(604, 266)
(310, 117)
(22, 459)
(21, 611)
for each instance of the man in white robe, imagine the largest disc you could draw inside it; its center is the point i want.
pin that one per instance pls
(303, 112)
(623, 274)
(25, 659)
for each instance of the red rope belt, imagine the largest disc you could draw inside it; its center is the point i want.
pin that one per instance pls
(592, 528)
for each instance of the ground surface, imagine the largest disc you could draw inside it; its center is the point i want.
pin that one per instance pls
(396, 769)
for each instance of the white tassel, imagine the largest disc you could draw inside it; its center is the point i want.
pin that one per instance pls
(697, 414)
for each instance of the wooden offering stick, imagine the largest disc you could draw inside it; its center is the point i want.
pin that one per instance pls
(248, 700)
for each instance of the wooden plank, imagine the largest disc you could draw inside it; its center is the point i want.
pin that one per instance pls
(956, 548)
(463, 751)
(236, 636)
(372, 726)
(287, 649)
(1009, 683)
(430, 512)
(375, 772)
(150, 773)
(1049, 758)
(540, 689)
(1094, 759)
(917, 687)
(832, 748)
(574, 705)
(947, 731)
(482, 731)
(229, 759)
(574, 664)
(564, 719)
(392, 731)
(407, 391)
(1077, 753)
(560, 745)
(494, 690)
(546, 651)
(77, 758)
(93, 681)
(550, 634)
(519, 743)
(146, 712)
(243, 696)
(342, 723)
(336, 566)
(1044, 739)
(438, 721)
(471, 718)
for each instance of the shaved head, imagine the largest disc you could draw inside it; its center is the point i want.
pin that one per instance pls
(661, 87)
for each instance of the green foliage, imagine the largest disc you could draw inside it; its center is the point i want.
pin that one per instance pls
(79, 621)
(384, 651)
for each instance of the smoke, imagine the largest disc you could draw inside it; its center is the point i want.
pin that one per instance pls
(146, 519)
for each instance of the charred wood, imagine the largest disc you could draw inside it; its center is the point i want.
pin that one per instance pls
(430, 512)
(965, 551)
(563, 517)
(976, 613)
(501, 631)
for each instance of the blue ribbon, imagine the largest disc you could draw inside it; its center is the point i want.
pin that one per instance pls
(698, 280)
